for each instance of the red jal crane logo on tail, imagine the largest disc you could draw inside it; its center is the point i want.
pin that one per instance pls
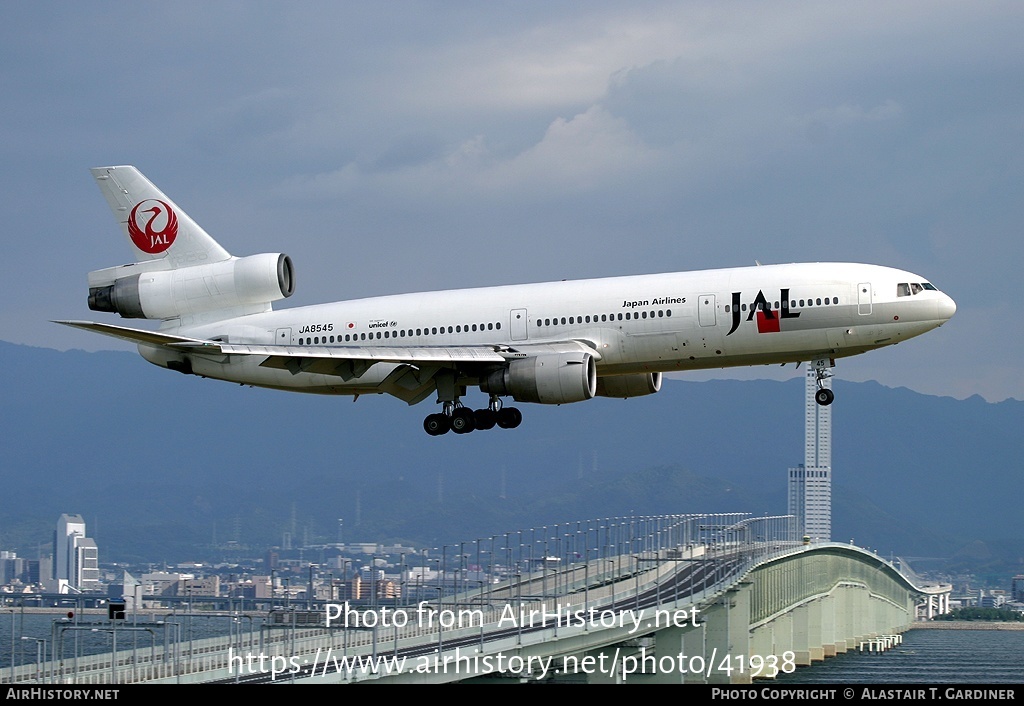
(157, 232)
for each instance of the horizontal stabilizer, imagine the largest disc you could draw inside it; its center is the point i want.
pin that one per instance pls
(136, 335)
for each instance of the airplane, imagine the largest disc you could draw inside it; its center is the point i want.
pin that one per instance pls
(546, 343)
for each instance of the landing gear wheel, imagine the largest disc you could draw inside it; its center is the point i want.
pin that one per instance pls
(462, 420)
(485, 418)
(437, 424)
(824, 396)
(509, 417)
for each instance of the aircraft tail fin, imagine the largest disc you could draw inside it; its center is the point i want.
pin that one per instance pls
(180, 273)
(156, 228)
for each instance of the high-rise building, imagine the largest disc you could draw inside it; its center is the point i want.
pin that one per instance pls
(810, 483)
(75, 558)
(1017, 588)
(10, 567)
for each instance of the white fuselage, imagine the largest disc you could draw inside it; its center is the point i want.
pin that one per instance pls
(636, 324)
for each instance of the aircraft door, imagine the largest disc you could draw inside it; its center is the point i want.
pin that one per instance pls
(283, 337)
(518, 325)
(706, 309)
(864, 298)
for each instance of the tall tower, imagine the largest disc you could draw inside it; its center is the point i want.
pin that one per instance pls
(75, 559)
(810, 484)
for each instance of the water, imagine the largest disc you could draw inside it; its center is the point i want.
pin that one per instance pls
(39, 626)
(926, 657)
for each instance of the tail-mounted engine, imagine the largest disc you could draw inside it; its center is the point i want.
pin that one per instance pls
(146, 290)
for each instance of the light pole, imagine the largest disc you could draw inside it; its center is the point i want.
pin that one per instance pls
(135, 624)
(586, 586)
(487, 575)
(12, 644)
(135, 603)
(190, 645)
(440, 589)
(344, 578)
(40, 649)
(529, 571)
(462, 568)
(519, 621)
(444, 566)
(311, 598)
(400, 595)
(113, 652)
(508, 570)
(482, 614)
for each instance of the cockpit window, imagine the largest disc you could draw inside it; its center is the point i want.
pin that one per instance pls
(907, 289)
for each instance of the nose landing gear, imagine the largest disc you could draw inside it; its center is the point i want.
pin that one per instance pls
(823, 396)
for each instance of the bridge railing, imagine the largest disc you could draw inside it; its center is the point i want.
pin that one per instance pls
(616, 562)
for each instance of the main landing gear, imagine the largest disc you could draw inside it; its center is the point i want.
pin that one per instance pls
(823, 396)
(463, 420)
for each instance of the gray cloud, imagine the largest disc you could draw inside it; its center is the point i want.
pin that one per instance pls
(422, 145)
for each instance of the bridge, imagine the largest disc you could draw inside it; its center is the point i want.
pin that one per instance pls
(724, 598)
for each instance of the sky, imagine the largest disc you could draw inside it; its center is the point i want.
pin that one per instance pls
(409, 146)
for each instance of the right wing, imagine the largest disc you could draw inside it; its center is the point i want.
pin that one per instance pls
(298, 359)
(411, 381)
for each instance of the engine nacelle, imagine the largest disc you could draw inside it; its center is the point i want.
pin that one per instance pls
(136, 292)
(549, 378)
(625, 386)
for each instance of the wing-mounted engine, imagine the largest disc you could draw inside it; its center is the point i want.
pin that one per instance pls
(547, 375)
(625, 386)
(149, 290)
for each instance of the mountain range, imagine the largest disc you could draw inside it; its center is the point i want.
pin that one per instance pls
(167, 467)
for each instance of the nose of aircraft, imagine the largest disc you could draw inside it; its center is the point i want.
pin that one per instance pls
(947, 307)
